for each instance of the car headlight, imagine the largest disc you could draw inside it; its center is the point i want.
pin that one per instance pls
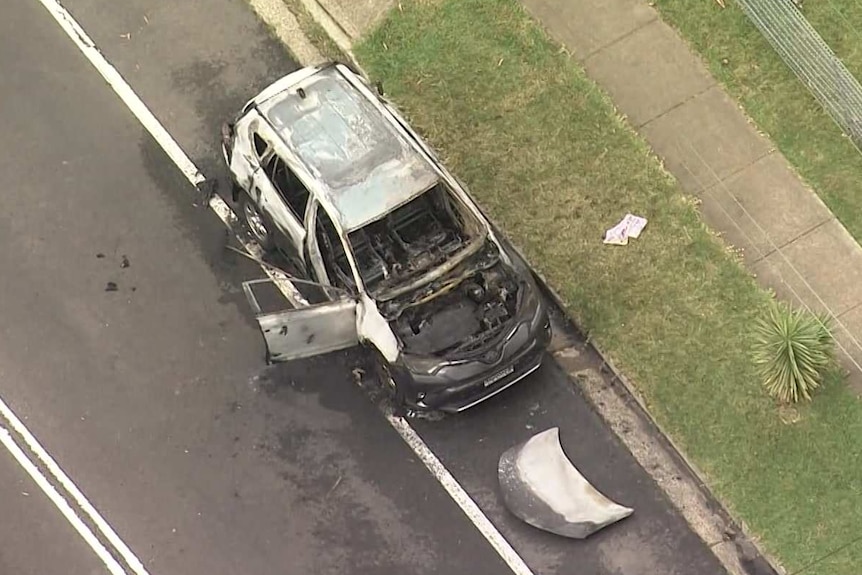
(533, 308)
(420, 365)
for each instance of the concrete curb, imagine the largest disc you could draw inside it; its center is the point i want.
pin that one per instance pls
(736, 549)
(331, 26)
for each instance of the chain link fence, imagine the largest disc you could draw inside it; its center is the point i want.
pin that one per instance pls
(811, 59)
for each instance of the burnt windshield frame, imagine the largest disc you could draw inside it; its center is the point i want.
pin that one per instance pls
(470, 232)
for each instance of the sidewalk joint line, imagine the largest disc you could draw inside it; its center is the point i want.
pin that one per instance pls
(678, 105)
(780, 248)
(733, 173)
(618, 39)
(853, 307)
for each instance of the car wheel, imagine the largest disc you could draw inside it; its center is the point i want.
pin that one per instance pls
(255, 223)
(387, 383)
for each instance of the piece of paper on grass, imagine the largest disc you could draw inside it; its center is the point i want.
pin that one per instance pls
(630, 226)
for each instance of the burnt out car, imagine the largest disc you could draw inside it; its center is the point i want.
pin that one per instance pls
(388, 248)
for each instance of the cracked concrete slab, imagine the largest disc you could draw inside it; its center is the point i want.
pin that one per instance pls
(814, 256)
(705, 140)
(587, 26)
(648, 72)
(763, 207)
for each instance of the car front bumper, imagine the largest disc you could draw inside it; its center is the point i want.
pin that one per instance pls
(469, 383)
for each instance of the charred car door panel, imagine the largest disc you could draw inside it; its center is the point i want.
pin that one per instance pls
(312, 248)
(331, 264)
(301, 332)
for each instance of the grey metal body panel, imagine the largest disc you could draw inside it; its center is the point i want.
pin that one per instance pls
(305, 331)
(542, 487)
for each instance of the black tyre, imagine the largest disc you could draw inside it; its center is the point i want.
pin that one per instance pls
(387, 383)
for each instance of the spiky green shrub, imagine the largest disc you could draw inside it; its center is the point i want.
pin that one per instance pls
(794, 349)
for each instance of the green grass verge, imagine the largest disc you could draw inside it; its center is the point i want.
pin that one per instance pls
(544, 152)
(775, 99)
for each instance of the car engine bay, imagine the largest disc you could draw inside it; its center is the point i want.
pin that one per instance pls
(460, 317)
(457, 310)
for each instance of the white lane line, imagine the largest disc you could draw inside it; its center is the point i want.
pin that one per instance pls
(60, 476)
(195, 177)
(123, 90)
(86, 534)
(506, 552)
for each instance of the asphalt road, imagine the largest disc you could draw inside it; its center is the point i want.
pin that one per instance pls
(154, 397)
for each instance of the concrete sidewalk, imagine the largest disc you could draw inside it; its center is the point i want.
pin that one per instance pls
(750, 195)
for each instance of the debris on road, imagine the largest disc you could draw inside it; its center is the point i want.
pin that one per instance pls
(541, 487)
(111, 286)
(125, 262)
(334, 486)
(630, 226)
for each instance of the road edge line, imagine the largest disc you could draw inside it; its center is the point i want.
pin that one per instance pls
(459, 495)
(122, 88)
(57, 473)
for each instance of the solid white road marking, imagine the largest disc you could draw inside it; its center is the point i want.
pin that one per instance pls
(461, 498)
(226, 215)
(196, 178)
(60, 476)
(123, 90)
(86, 534)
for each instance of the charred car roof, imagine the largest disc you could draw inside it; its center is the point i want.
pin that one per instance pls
(364, 168)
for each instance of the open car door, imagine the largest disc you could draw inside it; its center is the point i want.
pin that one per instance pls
(294, 331)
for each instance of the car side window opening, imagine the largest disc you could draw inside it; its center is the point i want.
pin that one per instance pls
(332, 253)
(288, 186)
(260, 145)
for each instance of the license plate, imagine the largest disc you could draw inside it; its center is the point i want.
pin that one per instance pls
(498, 376)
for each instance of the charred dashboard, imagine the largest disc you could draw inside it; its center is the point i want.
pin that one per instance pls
(437, 277)
(415, 243)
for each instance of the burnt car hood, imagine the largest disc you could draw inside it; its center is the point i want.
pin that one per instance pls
(518, 338)
(519, 341)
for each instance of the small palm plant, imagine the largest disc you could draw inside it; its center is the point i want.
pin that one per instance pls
(793, 351)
